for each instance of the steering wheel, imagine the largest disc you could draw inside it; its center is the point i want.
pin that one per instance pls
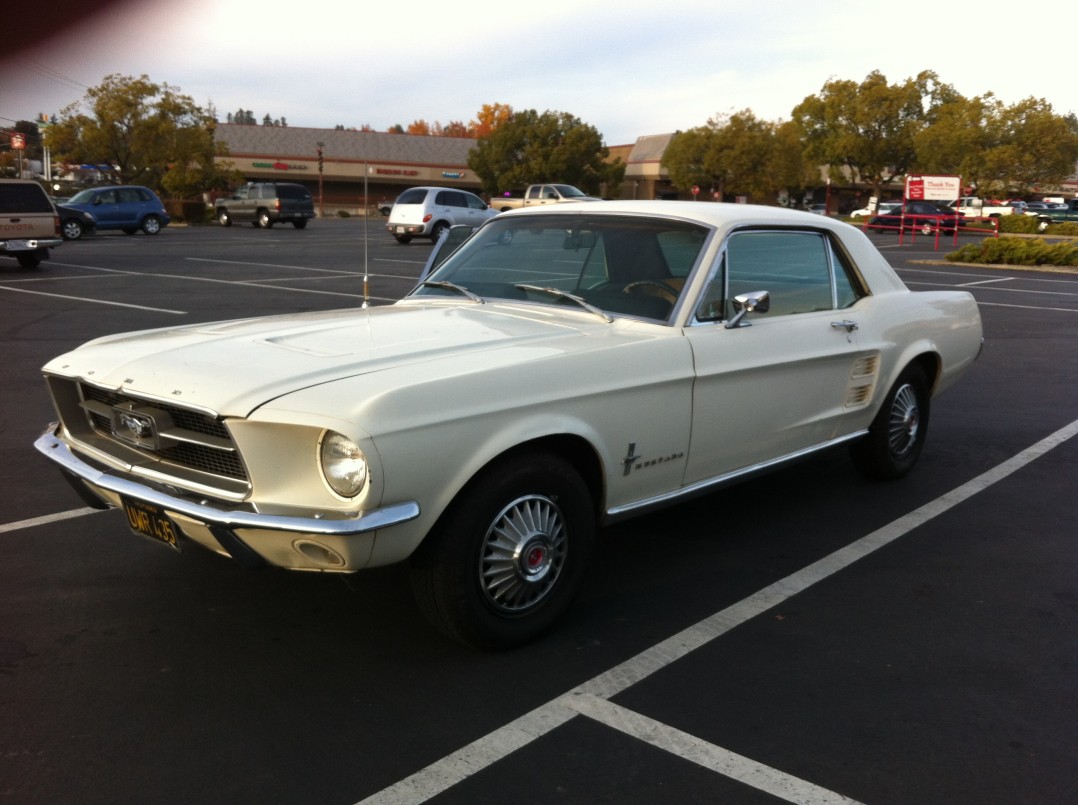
(668, 292)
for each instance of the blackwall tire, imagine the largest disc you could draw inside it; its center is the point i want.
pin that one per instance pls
(897, 434)
(508, 557)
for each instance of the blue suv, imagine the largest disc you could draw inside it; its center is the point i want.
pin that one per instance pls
(126, 207)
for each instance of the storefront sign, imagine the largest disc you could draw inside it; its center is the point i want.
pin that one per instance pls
(280, 166)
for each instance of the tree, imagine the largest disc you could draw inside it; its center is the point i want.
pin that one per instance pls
(737, 154)
(998, 149)
(868, 128)
(488, 118)
(530, 148)
(141, 132)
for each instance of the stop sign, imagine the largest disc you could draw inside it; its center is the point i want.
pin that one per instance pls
(18, 141)
(696, 189)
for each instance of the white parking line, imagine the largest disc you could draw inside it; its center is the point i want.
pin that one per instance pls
(46, 519)
(478, 755)
(94, 301)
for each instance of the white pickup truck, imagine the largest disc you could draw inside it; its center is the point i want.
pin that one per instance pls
(974, 207)
(540, 194)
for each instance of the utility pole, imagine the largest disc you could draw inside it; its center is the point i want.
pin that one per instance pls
(321, 206)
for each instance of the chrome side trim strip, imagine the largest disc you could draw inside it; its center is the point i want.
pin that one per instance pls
(711, 484)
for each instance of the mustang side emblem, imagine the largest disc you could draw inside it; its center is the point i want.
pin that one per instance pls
(632, 460)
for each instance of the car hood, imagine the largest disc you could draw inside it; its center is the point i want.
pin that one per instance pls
(234, 367)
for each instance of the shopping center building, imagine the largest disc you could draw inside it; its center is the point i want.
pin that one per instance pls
(362, 169)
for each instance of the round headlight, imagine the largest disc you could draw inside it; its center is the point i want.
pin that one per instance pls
(343, 464)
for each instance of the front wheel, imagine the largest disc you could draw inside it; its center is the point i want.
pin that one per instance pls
(507, 558)
(71, 229)
(897, 434)
(152, 225)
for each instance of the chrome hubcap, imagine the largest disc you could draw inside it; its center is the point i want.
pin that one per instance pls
(523, 554)
(904, 423)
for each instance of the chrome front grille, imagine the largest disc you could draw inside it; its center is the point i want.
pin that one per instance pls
(192, 441)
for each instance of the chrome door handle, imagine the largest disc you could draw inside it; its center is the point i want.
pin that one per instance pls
(845, 324)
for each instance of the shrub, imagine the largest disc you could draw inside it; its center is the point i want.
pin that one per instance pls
(1018, 225)
(343, 214)
(1018, 251)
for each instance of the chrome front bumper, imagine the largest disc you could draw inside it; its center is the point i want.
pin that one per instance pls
(221, 523)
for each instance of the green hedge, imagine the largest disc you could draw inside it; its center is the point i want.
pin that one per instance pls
(1019, 252)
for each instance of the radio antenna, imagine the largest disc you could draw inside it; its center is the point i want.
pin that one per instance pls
(366, 215)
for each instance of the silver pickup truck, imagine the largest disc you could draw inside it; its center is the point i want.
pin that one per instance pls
(29, 225)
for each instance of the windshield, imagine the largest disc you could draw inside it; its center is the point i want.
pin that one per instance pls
(623, 265)
(82, 197)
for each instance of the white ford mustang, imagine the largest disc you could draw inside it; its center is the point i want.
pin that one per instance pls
(565, 367)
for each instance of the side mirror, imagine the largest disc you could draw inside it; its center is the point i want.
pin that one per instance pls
(751, 302)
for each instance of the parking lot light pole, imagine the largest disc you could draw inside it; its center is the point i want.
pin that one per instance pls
(321, 206)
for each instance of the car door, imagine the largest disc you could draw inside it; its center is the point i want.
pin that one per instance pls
(784, 380)
(106, 209)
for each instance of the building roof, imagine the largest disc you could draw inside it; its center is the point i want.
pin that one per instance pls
(376, 146)
(650, 148)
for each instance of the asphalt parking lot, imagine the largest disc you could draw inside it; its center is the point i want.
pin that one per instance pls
(806, 637)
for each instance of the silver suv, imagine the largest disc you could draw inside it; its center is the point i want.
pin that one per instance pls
(425, 212)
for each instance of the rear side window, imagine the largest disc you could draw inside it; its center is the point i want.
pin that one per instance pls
(292, 191)
(416, 195)
(23, 198)
(450, 198)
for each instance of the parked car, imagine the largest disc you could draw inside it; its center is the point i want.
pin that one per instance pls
(1057, 214)
(74, 223)
(567, 366)
(29, 225)
(265, 204)
(883, 208)
(426, 211)
(540, 194)
(128, 208)
(924, 216)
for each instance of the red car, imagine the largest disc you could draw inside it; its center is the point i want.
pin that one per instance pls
(925, 216)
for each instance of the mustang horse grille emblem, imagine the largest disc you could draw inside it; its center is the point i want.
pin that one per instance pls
(134, 427)
(139, 427)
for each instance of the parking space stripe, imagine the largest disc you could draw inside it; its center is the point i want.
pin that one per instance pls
(480, 754)
(93, 301)
(688, 747)
(46, 519)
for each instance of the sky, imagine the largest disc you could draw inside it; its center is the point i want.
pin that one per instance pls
(628, 68)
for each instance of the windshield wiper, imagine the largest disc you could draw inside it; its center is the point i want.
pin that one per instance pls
(588, 306)
(452, 286)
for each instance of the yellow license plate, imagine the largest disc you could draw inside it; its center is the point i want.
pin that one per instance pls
(148, 520)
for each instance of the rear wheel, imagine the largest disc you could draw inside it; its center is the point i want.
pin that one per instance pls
(263, 220)
(28, 259)
(300, 223)
(507, 558)
(223, 218)
(437, 230)
(897, 434)
(151, 225)
(403, 238)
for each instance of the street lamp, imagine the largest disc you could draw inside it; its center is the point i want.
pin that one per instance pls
(321, 206)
